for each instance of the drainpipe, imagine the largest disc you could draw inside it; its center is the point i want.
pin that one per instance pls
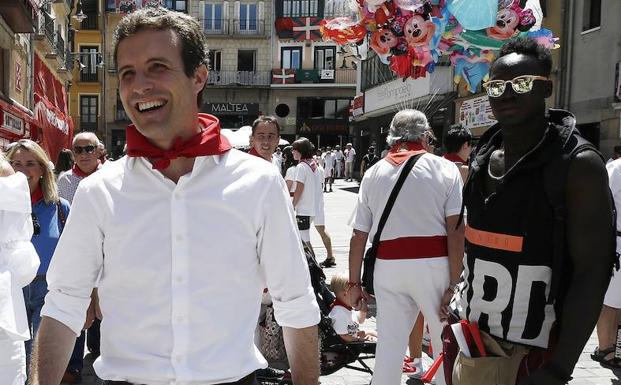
(567, 53)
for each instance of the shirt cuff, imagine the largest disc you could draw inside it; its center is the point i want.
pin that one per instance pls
(298, 313)
(73, 313)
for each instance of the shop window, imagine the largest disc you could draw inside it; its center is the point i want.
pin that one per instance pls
(592, 14)
(88, 112)
(291, 58)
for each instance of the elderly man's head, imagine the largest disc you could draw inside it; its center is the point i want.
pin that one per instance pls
(407, 126)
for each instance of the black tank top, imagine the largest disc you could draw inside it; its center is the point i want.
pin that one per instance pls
(508, 262)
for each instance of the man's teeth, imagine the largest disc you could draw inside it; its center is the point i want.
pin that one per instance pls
(149, 105)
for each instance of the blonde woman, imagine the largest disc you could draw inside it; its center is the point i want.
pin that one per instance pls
(49, 213)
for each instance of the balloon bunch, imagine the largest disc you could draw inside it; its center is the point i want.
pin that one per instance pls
(412, 35)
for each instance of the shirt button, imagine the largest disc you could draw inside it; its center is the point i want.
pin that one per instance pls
(179, 237)
(177, 196)
(179, 279)
(179, 318)
(178, 358)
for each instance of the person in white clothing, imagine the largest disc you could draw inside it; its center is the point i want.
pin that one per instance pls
(188, 227)
(18, 266)
(304, 194)
(610, 316)
(420, 252)
(345, 320)
(320, 219)
(329, 165)
(264, 138)
(339, 162)
(350, 158)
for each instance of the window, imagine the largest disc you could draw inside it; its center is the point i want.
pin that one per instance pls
(291, 58)
(213, 18)
(374, 73)
(176, 5)
(88, 112)
(89, 58)
(317, 108)
(324, 58)
(215, 60)
(300, 8)
(111, 5)
(248, 18)
(592, 14)
(89, 7)
(246, 60)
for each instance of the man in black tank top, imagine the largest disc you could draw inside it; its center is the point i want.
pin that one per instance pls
(507, 281)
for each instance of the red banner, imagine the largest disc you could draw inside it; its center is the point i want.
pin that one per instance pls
(283, 76)
(54, 127)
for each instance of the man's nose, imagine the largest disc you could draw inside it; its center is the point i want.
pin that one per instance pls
(142, 83)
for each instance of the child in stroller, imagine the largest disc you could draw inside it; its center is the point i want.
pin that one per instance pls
(335, 353)
(346, 321)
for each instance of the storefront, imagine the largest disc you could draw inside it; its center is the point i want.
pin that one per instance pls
(53, 128)
(15, 123)
(474, 113)
(233, 115)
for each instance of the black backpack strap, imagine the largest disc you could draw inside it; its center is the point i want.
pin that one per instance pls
(393, 197)
(555, 182)
(62, 218)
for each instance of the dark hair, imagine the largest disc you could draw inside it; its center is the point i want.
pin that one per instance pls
(530, 47)
(455, 137)
(266, 119)
(617, 150)
(193, 44)
(65, 161)
(305, 147)
(287, 155)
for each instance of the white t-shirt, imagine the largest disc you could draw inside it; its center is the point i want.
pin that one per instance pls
(328, 162)
(290, 176)
(350, 155)
(305, 175)
(344, 321)
(338, 155)
(431, 193)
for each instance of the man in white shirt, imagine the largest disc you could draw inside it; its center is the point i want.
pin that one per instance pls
(420, 251)
(350, 157)
(191, 230)
(329, 164)
(339, 159)
(264, 139)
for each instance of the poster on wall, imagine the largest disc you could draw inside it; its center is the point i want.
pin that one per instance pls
(475, 113)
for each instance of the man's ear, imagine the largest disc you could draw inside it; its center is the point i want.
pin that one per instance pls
(200, 77)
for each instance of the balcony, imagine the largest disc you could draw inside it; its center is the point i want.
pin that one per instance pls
(338, 77)
(91, 22)
(238, 78)
(44, 33)
(60, 48)
(234, 27)
(18, 14)
(89, 76)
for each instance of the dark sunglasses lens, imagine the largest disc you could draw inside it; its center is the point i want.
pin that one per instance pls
(87, 149)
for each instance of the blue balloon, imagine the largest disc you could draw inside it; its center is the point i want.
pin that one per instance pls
(474, 14)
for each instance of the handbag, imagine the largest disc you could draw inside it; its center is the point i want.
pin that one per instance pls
(272, 343)
(368, 266)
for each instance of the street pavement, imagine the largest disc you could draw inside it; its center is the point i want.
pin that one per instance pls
(339, 206)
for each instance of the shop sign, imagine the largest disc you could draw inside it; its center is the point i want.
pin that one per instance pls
(396, 92)
(475, 113)
(12, 123)
(232, 108)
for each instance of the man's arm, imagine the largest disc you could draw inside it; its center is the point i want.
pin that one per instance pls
(455, 243)
(53, 346)
(589, 217)
(302, 347)
(357, 245)
(297, 194)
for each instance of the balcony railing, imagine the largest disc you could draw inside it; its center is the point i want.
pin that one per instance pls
(253, 27)
(60, 46)
(88, 76)
(45, 27)
(91, 22)
(314, 76)
(243, 78)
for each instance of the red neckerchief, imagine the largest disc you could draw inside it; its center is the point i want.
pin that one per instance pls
(36, 196)
(77, 171)
(311, 163)
(401, 152)
(256, 153)
(208, 142)
(338, 302)
(453, 157)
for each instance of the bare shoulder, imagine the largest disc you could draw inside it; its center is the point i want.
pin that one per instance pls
(585, 168)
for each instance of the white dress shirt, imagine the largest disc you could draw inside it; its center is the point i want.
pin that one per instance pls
(18, 259)
(183, 267)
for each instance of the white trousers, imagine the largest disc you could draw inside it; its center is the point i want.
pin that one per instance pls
(403, 288)
(12, 362)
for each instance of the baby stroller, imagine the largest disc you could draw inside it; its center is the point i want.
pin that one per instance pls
(335, 354)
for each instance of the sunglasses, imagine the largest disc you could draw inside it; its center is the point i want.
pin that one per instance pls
(86, 149)
(36, 226)
(520, 84)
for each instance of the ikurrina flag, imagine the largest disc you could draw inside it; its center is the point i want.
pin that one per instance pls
(283, 76)
(306, 28)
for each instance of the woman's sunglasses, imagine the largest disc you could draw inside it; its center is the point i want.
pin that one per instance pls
(520, 84)
(86, 149)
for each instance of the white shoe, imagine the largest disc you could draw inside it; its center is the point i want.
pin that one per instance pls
(417, 364)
